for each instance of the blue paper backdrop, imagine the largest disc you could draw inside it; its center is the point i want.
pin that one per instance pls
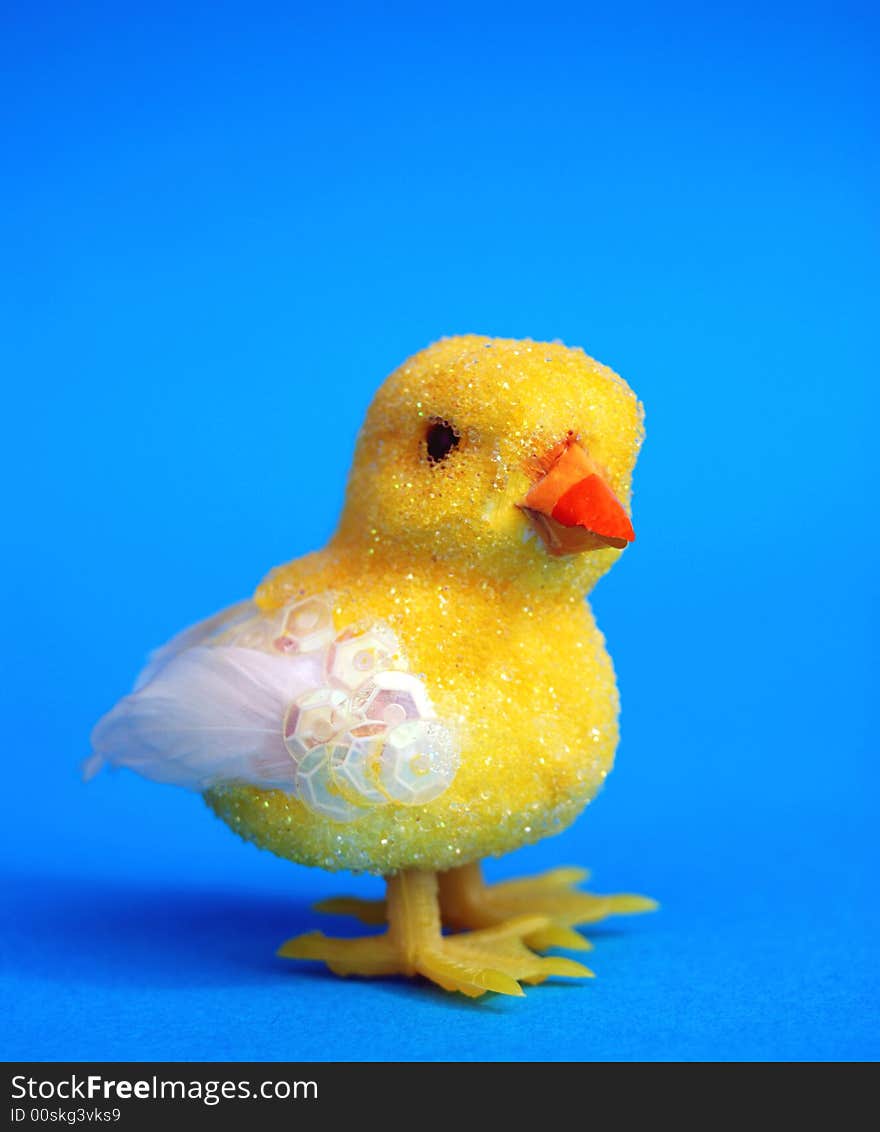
(222, 225)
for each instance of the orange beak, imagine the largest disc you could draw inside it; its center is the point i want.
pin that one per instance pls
(572, 506)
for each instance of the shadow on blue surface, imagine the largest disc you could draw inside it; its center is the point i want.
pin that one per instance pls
(116, 933)
(148, 936)
(140, 970)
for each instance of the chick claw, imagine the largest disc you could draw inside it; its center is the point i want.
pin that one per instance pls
(491, 959)
(467, 902)
(372, 912)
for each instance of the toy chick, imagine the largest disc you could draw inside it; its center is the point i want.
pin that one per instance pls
(430, 688)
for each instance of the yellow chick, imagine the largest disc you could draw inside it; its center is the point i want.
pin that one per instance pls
(431, 687)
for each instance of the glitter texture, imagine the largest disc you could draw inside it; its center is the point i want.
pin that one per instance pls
(438, 551)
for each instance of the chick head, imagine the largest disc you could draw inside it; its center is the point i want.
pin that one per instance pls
(512, 458)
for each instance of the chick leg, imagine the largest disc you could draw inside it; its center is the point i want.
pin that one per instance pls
(491, 959)
(466, 901)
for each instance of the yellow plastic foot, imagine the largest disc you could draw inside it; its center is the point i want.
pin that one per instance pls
(373, 912)
(467, 902)
(492, 959)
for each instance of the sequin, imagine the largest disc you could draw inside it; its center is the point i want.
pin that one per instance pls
(306, 626)
(356, 766)
(418, 762)
(354, 657)
(369, 725)
(391, 698)
(314, 719)
(318, 789)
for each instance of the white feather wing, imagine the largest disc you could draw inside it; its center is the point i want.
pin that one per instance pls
(210, 713)
(283, 701)
(195, 635)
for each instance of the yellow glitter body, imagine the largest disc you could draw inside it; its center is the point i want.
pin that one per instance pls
(498, 628)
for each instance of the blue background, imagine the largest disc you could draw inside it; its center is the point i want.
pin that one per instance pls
(222, 225)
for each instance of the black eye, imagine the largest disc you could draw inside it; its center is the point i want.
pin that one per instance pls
(441, 438)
